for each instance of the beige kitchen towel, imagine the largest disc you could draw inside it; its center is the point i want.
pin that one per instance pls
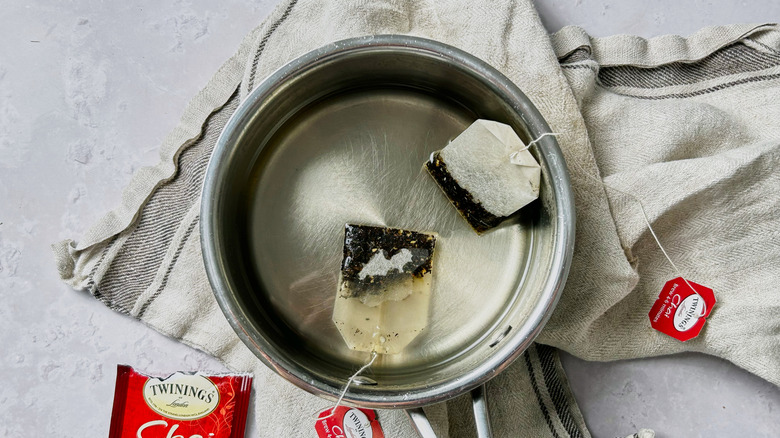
(144, 258)
(690, 127)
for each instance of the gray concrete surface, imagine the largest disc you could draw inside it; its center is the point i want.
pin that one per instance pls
(89, 88)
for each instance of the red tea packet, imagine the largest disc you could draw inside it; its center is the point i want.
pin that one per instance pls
(348, 422)
(681, 311)
(187, 405)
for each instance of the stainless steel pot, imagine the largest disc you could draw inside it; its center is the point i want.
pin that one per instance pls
(340, 135)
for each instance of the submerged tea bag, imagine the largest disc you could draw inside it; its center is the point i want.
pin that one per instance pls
(384, 287)
(487, 173)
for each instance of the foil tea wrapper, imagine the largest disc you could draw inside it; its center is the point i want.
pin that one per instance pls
(180, 405)
(384, 287)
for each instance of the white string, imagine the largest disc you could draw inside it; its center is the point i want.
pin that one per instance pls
(528, 146)
(554, 134)
(639, 201)
(652, 232)
(349, 382)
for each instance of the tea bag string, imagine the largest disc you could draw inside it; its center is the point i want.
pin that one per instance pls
(349, 382)
(513, 155)
(638, 201)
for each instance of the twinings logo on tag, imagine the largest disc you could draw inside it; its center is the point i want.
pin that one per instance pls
(356, 424)
(181, 396)
(348, 423)
(680, 311)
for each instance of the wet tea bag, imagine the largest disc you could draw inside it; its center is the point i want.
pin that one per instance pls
(487, 173)
(384, 287)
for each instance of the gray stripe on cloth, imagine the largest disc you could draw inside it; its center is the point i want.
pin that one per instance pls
(585, 66)
(762, 45)
(261, 46)
(734, 59)
(91, 282)
(137, 262)
(579, 55)
(91, 286)
(707, 90)
(538, 393)
(548, 358)
(168, 270)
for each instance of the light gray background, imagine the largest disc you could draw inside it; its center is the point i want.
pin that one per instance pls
(88, 90)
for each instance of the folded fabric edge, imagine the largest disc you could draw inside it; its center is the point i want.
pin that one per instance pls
(641, 52)
(767, 40)
(66, 258)
(216, 92)
(74, 261)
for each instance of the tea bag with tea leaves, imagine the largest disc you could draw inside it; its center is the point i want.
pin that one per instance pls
(487, 173)
(384, 287)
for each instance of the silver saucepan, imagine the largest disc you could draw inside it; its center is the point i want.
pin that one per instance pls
(340, 135)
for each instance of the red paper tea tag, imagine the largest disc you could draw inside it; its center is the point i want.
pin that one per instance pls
(680, 311)
(348, 423)
(182, 405)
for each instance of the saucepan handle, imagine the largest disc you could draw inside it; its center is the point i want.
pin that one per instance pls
(479, 403)
(420, 423)
(481, 418)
